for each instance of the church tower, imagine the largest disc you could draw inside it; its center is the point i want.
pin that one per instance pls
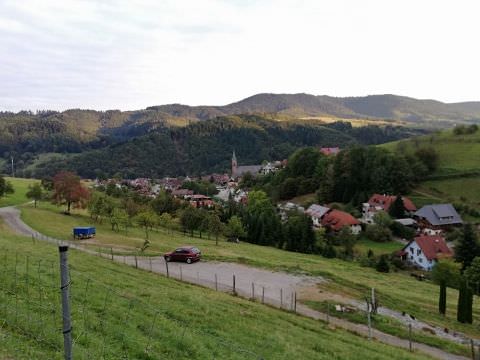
(234, 164)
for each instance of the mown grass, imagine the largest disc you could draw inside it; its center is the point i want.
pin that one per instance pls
(378, 248)
(396, 290)
(18, 197)
(390, 326)
(121, 312)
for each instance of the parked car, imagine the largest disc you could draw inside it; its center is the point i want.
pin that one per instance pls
(188, 254)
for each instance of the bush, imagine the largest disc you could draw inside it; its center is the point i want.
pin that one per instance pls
(367, 261)
(383, 265)
(402, 231)
(378, 233)
(329, 251)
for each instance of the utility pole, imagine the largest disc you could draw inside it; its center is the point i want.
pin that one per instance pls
(13, 168)
(65, 289)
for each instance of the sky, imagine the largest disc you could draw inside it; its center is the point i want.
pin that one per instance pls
(132, 54)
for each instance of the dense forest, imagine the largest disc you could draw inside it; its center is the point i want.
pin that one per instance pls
(205, 147)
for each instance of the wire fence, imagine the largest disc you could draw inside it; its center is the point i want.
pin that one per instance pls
(108, 322)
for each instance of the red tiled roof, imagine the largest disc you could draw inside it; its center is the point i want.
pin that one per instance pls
(385, 201)
(329, 150)
(433, 246)
(337, 219)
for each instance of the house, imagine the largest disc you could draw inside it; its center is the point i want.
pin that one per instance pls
(378, 202)
(289, 207)
(200, 201)
(424, 251)
(316, 212)
(330, 150)
(335, 220)
(182, 193)
(438, 217)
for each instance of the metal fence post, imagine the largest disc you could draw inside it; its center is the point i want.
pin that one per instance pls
(216, 283)
(65, 287)
(166, 265)
(234, 292)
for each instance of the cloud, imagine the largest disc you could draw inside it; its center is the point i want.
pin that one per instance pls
(132, 54)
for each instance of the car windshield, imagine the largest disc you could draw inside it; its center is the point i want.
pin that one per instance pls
(195, 250)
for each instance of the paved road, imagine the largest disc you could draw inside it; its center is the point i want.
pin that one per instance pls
(275, 288)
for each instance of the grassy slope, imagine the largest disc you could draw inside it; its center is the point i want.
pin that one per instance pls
(396, 290)
(458, 154)
(192, 322)
(18, 197)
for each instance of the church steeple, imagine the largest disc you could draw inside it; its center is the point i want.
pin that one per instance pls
(234, 164)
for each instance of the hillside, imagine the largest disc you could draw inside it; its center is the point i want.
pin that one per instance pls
(457, 176)
(205, 147)
(118, 311)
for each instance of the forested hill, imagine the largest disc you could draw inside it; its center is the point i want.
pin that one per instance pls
(426, 112)
(205, 147)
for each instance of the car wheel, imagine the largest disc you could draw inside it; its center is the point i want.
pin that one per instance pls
(189, 261)
(167, 258)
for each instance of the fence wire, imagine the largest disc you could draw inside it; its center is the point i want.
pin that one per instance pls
(109, 322)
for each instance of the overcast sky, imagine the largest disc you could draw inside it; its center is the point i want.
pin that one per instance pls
(133, 54)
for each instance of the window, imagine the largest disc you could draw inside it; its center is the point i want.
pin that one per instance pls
(411, 250)
(420, 260)
(419, 252)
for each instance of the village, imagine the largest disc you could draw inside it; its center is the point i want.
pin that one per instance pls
(429, 224)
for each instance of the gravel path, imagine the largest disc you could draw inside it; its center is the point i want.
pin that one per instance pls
(273, 288)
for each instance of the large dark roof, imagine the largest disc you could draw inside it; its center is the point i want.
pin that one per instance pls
(440, 214)
(252, 169)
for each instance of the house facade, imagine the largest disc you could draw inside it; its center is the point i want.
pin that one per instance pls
(424, 251)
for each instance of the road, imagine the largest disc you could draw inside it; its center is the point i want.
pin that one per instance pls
(274, 288)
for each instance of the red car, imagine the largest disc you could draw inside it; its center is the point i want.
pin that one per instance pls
(188, 254)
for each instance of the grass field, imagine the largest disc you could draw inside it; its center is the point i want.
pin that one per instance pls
(396, 290)
(18, 197)
(457, 153)
(363, 245)
(121, 312)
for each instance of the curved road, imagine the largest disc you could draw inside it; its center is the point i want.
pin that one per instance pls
(275, 288)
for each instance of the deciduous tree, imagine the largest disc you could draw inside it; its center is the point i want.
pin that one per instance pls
(35, 193)
(68, 190)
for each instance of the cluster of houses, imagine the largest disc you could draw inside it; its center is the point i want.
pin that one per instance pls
(430, 223)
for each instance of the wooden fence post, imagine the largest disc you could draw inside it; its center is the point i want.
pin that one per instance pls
(410, 347)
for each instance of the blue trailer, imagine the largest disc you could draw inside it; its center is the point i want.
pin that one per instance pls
(84, 232)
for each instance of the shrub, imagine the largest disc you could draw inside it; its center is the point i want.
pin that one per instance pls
(378, 233)
(383, 265)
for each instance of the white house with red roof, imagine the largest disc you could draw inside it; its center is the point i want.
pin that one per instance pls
(424, 251)
(335, 220)
(379, 202)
